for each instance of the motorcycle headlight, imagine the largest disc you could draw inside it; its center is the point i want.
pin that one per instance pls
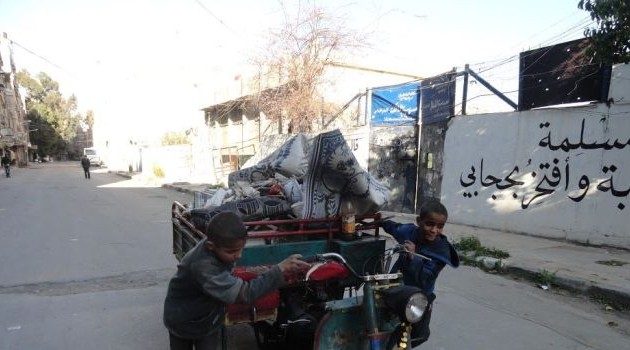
(406, 301)
(415, 307)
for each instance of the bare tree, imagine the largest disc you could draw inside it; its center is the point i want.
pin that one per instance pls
(292, 67)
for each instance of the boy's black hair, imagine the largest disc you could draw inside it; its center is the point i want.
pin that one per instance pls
(432, 206)
(225, 227)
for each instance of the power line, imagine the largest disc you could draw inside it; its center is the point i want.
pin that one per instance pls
(579, 25)
(513, 47)
(216, 17)
(367, 69)
(570, 31)
(39, 56)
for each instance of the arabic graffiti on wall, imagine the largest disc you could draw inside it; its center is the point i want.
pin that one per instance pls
(533, 181)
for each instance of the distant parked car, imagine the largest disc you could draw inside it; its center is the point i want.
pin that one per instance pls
(93, 156)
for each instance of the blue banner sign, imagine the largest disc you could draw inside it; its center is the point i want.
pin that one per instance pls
(438, 98)
(395, 105)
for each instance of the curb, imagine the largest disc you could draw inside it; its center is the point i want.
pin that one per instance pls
(619, 299)
(120, 173)
(178, 189)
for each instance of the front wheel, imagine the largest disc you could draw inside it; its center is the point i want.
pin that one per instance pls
(400, 338)
(419, 332)
(267, 337)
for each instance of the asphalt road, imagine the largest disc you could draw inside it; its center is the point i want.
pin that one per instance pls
(85, 264)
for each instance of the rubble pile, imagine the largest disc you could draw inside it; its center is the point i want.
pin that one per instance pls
(303, 178)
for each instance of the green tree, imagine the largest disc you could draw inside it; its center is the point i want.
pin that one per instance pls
(611, 35)
(89, 119)
(175, 138)
(54, 118)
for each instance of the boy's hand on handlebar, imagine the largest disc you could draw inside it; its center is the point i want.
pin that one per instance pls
(293, 263)
(410, 246)
(408, 249)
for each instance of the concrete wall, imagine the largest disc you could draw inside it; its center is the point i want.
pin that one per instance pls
(558, 172)
(393, 162)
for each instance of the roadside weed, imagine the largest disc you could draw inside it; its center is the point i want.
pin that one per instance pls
(472, 253)
(157, 171)
(546, 278)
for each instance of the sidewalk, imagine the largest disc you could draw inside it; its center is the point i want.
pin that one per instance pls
(598, 272)
(186, 187)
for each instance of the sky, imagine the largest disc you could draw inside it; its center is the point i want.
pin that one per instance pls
(148, 66)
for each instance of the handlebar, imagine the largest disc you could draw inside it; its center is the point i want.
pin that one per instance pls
(401, 248)
(339, 258)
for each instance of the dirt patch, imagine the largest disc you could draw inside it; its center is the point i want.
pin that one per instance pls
(131, 280)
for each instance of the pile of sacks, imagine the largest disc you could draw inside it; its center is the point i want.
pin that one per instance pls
(303, 178)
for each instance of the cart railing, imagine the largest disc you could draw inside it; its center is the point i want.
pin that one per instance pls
(299, 227)
(296, 236)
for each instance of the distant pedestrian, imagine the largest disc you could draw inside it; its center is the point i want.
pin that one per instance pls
(85, 163)
(6, 163)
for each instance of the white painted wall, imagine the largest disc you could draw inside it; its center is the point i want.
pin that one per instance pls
(580, 194)
(175, 162)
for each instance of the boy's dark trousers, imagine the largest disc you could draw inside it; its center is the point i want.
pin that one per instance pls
(420, 331)
(210, 342)
(86, 172)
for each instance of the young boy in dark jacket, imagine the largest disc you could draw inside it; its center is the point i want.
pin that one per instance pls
(426, 239)
(204, 284)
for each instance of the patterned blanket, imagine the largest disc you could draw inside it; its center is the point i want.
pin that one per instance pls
(334, 173)
(329, 172)
(288, 160)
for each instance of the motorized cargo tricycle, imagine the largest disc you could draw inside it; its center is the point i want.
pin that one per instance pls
(345, 300)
